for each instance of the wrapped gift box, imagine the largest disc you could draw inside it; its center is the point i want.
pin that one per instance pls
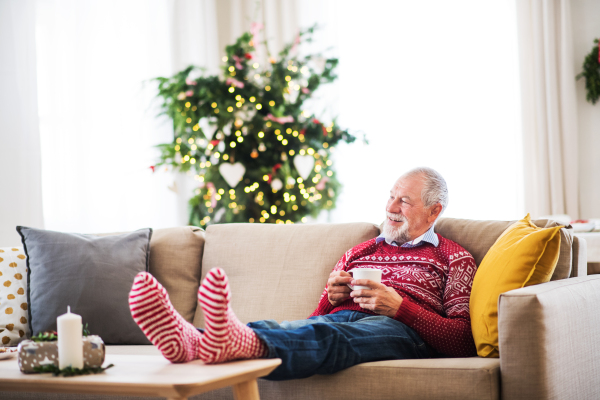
(32, 354)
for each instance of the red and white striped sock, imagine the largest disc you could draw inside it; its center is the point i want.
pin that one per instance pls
(225, 337)
(151, 309)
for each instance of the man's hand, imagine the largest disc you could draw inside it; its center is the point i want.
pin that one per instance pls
(380, 299)
(337, 287)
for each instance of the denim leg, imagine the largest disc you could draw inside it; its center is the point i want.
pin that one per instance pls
(330, 343)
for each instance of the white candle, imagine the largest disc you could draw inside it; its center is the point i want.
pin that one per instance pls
(70, 340)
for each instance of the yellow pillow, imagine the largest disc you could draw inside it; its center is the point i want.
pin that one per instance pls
(523, 255)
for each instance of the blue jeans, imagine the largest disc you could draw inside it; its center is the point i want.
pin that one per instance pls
(329, 343)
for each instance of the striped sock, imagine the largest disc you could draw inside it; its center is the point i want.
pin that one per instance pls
(151, 309)
(225, 337)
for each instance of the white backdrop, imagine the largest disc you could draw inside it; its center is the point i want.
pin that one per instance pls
(431, 83)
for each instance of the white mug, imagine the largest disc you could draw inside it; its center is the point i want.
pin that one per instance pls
(365, 273)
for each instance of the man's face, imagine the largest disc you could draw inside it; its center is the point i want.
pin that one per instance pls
(407, 217)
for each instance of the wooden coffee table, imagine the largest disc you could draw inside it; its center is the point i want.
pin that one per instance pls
(145, 375)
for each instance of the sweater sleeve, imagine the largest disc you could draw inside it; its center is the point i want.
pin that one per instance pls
(325, 306)
(450, 334)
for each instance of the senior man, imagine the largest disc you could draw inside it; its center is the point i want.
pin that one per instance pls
(419, 310)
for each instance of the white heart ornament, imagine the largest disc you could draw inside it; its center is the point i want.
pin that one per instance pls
(304, 165)
(208, 126)
(232, 173)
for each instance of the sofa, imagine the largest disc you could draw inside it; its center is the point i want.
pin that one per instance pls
(549, 334)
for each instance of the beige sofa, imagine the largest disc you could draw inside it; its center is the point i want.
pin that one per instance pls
(549, 333)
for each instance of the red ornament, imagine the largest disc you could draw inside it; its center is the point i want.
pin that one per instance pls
(303, 131)
(270, 178)
(152, 167)
(215, 142)
(316, 121)
(324, 130)
(248, 56)
(276, 167)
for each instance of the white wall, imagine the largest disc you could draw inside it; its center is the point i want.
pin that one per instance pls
(585, 15)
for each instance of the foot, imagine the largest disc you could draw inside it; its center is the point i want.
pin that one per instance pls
(225, 337)
(177, 339)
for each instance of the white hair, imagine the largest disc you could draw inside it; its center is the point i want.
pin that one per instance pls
(434, 186)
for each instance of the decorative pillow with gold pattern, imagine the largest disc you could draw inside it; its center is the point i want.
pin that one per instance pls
(13, 296)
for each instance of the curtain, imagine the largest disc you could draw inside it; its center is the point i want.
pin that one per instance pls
(20, 173)
(98, 113)
(548, 107)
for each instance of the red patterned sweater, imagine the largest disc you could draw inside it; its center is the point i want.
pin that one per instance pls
(434, 282)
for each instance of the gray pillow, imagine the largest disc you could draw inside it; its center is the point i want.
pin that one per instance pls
(92, 274)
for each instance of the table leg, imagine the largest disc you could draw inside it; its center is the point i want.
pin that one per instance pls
(246, 390)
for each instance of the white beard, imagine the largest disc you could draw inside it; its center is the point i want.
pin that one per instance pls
(400, 234)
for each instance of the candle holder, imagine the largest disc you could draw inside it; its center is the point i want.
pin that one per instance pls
(34, 354)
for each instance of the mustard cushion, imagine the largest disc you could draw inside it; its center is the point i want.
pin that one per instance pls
(523, 255)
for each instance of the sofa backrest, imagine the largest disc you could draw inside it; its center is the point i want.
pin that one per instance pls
(478, 236)
(278, 271)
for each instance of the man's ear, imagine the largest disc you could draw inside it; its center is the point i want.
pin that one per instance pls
(435, 212)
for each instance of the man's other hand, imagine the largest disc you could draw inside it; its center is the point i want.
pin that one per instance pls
(337, 287)
(380, 299)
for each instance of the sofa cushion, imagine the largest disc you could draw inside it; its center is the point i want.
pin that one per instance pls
(444, 379)
(14, 325)
(176, 261)
(478, 236)
(523, 255)
(92, 274)
(278, 271)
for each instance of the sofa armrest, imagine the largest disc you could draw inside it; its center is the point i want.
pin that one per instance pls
(549, 340)
(579, 257)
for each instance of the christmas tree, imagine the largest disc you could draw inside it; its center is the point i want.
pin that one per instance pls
(257, 154)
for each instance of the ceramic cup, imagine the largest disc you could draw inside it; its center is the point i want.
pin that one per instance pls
(365, 273)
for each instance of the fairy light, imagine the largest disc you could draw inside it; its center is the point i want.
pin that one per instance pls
(302, 152)
(231, 89)
(218, 196)
(216, 110)
(188, 104)
(178, 140)
(194, 108)
(225, 157)
(210, 146)
(217, 154)
(265, 178)
(252, 99)
(221, 191)
(292, 152)
(208, 164)
(279, 137)
(288, 130)
(186, 158)
(195, 128)
(271, 103)
(269, 124)
(295, 207)
(288, 78)
(192, 160)
(229, 109)
(231, 68)
(256, 76)
(224, 59)
(232, 144)
(214, 105)
(303, 219)
(284, 142)
(310, 151)
(258, 106)
(268, 88)
(177, 147)
(238, 97)
(329, 173)
(273, 209)
(295, 133)
(240, 139)
(329, 162)
(325, 145)
(255, 65)
(238, 133)
(261, 134)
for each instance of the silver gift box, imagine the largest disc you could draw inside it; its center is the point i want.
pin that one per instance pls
(32, 354)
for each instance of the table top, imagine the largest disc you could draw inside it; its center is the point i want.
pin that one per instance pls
(140, 375)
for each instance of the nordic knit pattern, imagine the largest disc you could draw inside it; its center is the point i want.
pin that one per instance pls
(434, 282)
(225, 337)
(177, 339)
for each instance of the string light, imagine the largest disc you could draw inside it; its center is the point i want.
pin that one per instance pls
(231, 68)
(258, 106)
(329, 173)
(271, 103)
(255, 65)
(292, 152)
(284, 142)
(188, 104)
(261, 134)
(225, 157)
(224, 59)
(267, 88)
(177, 147)
(232, 145)
(230, 109)
(178, 140)
(214, 105)
(231, 89)
(252, 99)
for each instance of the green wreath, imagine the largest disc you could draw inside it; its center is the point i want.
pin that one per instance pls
(591, 73)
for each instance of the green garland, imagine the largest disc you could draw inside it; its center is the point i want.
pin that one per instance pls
(51, 336)
(591, 73)
(70, 371)
(254, 120)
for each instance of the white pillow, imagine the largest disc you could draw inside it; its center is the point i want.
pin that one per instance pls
(14, 317)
